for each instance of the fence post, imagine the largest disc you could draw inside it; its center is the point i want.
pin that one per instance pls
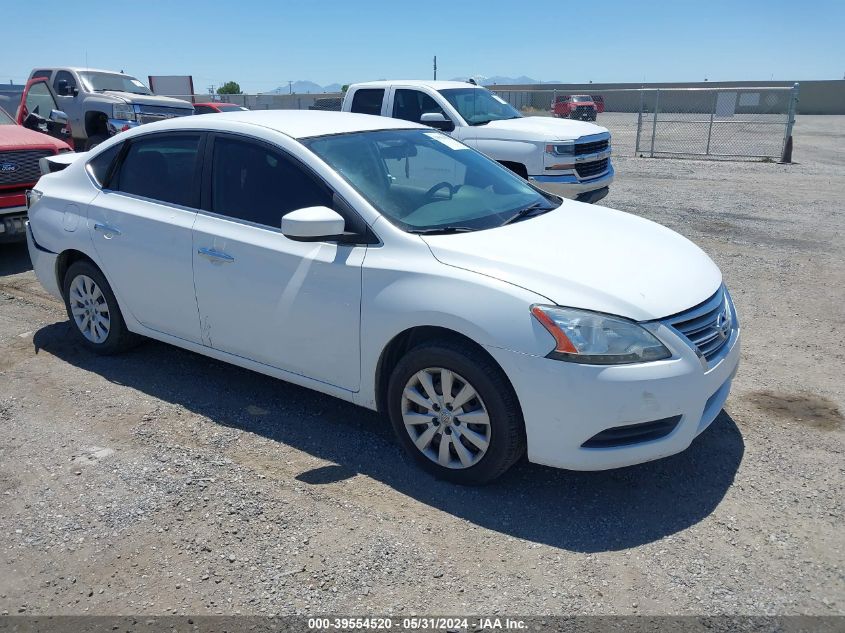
(786, 154)
(710, 129)
(654, 122)
(639, 121)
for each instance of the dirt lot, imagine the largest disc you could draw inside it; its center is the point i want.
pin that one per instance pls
(160, 481)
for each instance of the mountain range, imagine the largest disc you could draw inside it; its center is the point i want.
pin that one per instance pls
(303, 86)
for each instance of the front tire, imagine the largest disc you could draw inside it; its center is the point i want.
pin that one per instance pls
(455, 412)
(93, 311)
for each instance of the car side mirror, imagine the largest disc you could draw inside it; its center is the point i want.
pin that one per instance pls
(57, 116)
(313, 224)
(438, 121)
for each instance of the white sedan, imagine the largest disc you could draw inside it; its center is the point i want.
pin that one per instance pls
(387, 264)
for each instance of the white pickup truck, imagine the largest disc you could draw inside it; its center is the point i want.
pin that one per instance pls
(567, 158)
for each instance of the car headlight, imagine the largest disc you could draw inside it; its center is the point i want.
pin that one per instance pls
(123, 111)
(561, 148)
(597, 339)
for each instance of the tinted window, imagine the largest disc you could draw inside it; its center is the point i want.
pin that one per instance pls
(410, 105)
(41, 73)
(201, 109)
(255, 183)
(63, 75)
(39, 100)
(99, 166)
(367, 101)
(161, 167)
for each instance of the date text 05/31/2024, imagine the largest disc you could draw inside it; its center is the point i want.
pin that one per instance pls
(445, 624)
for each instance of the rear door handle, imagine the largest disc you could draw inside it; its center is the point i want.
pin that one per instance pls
(106, 229)
(215, 255)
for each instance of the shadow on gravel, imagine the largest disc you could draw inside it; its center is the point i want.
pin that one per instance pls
(585, 512)
(14, 258)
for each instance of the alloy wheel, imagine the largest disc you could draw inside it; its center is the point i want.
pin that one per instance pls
(89, 309)
(446, 418)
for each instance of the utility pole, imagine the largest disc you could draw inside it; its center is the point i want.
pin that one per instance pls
(290, 87)
(435, 67)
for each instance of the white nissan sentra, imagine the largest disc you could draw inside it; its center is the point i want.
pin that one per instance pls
(387, 264)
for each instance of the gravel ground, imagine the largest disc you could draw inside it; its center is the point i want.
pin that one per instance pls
(164, 482)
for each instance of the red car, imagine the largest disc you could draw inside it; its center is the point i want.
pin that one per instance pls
(215, 106)
(575, 107)
(20, 151)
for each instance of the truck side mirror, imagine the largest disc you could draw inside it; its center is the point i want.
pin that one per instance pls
(438, 121)
(57, 116)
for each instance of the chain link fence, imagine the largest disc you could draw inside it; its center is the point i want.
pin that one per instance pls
(716, 123)
(726, 123)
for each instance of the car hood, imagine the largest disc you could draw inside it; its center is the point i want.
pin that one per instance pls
(13, 137)
(538, 128)
(155, 100)
(590, 257)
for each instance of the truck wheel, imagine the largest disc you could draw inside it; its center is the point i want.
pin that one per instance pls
(95, 140)
(93, 310)
(455, 413)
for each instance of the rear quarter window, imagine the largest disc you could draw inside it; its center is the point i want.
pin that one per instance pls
(100, 166)
(367, 101)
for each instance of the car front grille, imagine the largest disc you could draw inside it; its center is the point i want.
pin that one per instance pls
(151, 114)
(20, 167)
(593, 168)
(709, 325)
(591, 148)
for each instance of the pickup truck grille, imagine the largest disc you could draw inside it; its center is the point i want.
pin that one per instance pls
(591, 148)
(150, 114)
(708, 325)
(20, 167)
(593, 168)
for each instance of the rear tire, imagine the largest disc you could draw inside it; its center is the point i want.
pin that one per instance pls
(92, 309)
(473, 410)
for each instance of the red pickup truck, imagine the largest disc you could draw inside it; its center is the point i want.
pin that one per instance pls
(22, 144)
(575, 107)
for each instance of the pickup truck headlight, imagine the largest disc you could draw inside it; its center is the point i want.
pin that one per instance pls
(597, 339)
(561, 148)
(123, 112)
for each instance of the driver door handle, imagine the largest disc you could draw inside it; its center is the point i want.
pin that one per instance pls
(107, 230)
(215, 256)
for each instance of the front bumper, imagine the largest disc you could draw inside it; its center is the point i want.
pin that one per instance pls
(12, 223)
(571, 186)
(565, 404)
(120, 125)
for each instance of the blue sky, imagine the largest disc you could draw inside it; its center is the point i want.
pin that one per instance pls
(262, 45)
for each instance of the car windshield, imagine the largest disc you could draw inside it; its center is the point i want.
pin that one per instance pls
(229, 107)
(424, 181)
(479, 106)
(99, 82)
(581, 98)
(5, 119)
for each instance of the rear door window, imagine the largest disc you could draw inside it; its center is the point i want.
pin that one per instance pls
(368, 101)
(162, 167)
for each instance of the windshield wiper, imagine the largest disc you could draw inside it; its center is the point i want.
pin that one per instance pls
(442, 230)
(538, 208)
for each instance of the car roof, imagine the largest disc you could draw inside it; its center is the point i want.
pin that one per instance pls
(433, 84)
(294, 123)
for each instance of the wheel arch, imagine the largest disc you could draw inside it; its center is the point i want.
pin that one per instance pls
(64, 261)
(518, 168)
(412, 337)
